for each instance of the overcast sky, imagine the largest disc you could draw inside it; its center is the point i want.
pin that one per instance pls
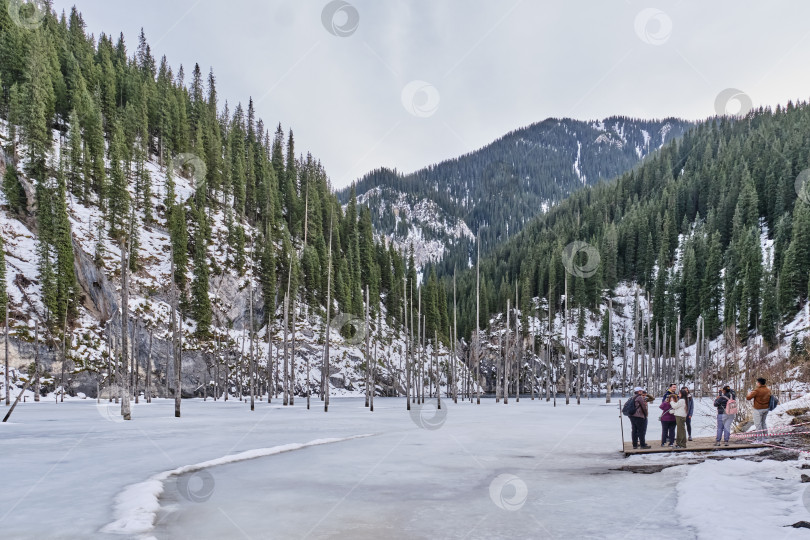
(407, 83)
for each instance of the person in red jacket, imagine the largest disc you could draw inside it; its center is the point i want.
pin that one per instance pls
(639, 419)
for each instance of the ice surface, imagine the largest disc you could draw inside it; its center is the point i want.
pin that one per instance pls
(525, 470)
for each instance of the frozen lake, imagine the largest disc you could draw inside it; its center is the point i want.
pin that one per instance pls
(523, 470)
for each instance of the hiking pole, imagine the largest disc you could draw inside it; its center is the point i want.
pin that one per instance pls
(621, 423)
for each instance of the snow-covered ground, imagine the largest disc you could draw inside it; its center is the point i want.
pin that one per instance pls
(523, 470)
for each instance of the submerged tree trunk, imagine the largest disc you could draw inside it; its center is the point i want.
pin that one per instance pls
(286, 351)
(125, 393)
(478, 321)
(326, 363)
(609, 370)
(148, 393)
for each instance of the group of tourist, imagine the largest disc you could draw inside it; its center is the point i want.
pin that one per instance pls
(678, 407)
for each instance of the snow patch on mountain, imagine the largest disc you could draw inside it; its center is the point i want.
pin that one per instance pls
(428, 228)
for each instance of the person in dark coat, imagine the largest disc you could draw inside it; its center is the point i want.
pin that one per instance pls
(690, 410)
(639, 419)
(724, 420)
(672, 390)
(668, 421)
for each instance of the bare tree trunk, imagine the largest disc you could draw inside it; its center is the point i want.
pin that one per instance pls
(567, 349)
(368, 350)
(609, 371)
(177, 352)
(534, 352)
(506, 356)
(125, 393)
(678, 366)
(217, 379)
(36, 360)
(135, 351)
(635, 342)
(649, 346)
(251, 359)
(455, 340)
(7, 381)
(436, 363)
(269, 366)
(579, 374)
(657, 359)
(408, 341)
(374, 362)
(169, 350)
(420, 385)
(325, 366)
(294, 314)
(547, 351)
(148, 393)
(478, 322)
(286, 351)
(624, 361)
(518, 344)
(499, 370)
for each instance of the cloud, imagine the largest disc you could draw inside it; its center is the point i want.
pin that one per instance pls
(496, 65)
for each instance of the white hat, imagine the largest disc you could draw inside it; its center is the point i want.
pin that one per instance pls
(638, 389)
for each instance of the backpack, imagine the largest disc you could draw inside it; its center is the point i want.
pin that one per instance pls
(629, 408)
(731, 406)
(773, 403)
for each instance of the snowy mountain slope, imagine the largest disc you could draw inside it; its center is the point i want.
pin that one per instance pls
(205, 364)
(418, 222)
(499, 188)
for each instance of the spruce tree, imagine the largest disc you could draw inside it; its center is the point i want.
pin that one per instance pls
(66, 285)
(200, 302)
(38, 102)
(15, 195)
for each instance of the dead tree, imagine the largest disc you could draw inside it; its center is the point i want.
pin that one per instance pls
(286, 351)
(177, 344)
(326, 364)
(148, 393)
(251, 364)
(436, 364)
(478, 322)
(7, 381)
(407, 341)
(609, 370)
(454, 341)
(506, 357)
(567, 349)
(125, 410)
(368, 350)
